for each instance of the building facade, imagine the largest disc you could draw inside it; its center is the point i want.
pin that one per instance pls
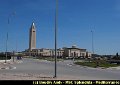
(72, 52)
(75, 52)
(60, 52)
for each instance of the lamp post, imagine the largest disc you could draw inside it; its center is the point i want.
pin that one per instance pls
(92, 43)
(7, 39)
(7, 36)
(16, 45)
(56, 14)
(6, 47)
(15, 52)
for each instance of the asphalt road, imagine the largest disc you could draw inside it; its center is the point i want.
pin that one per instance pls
(64, 69)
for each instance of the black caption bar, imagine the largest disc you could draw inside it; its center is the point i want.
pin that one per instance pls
(77, 82)
(59, 82)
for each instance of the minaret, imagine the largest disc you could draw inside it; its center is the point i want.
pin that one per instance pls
(32, 37)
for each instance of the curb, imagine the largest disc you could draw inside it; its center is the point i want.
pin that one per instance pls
(10, 67)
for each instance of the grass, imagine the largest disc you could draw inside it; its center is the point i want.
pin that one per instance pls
(97, 64)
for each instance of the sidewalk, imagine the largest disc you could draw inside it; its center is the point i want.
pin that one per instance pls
(8, 64)
(29, 76)
(117, 68)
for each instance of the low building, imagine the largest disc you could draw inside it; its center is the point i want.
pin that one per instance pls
(76, 52)
(45, 52)
(65, 52)
(38, 52)
(60, 52)
(88, 54)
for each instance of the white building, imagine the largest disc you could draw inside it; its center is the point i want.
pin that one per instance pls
(65, 52)
(60, 52)
(38, 52)
(76, 52)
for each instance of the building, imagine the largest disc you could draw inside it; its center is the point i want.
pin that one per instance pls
(88, 55)
(76, 52)
(39, 52)
(72, 52)
(45, 52)
(60, 52)
(33, 52)
(32, 37)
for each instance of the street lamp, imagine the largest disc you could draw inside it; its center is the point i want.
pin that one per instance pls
(56, 14)
(15, 52)
(6, 47)
(7, 35)
(92, 43)
(16, 48)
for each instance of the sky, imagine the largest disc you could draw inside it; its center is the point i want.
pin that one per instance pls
(76, 19)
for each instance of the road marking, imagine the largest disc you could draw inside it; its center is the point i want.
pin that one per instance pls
(70, 64)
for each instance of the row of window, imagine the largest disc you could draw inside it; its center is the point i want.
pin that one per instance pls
(77, 54)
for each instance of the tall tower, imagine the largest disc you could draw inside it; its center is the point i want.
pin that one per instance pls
(32, 37)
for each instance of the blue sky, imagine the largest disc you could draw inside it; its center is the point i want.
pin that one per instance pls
(76, 19)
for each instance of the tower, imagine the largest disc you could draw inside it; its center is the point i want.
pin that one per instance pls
(32, 37)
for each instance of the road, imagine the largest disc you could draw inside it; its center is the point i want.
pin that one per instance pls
(65, 69)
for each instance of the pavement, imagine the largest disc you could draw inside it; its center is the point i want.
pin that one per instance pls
(31, 69)
(8, 64)
(27, 76)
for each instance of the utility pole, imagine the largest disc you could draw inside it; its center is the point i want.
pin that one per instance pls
(92, 42)
(56, 19)
(6, 48)
(13, 13)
